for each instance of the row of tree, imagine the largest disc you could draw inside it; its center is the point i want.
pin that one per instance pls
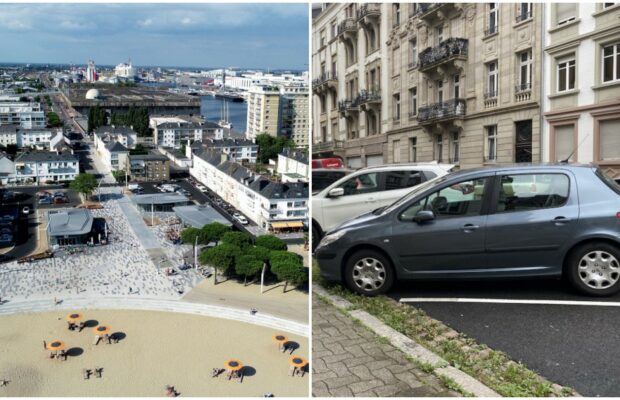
(97, 117)
(236, 254)
(136, 117)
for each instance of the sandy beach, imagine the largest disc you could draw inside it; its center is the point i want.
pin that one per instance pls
(159, 348)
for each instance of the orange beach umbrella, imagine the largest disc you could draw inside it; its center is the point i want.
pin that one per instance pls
(233, 365)
(56, 345)
(101, 330)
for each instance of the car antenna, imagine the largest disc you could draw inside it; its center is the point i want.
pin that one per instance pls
(565, 161)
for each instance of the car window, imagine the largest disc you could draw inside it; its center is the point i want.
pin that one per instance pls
(457, 200)
(322, 179)
(402, 179)
(532, 192)
(361, 184)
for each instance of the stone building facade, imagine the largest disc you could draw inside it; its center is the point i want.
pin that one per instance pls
(415, 82)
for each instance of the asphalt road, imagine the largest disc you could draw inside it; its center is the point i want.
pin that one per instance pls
(573, 345)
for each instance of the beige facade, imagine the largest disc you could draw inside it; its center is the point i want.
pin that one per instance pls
(263, 111)
(582, 84)
(418, 82)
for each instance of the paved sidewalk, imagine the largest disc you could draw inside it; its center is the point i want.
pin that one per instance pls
(349, 360)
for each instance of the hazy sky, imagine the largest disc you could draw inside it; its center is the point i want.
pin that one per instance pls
(228, 35)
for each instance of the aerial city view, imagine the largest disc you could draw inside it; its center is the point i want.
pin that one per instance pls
(154, 200)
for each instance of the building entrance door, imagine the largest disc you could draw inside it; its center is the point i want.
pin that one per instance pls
(523, 143)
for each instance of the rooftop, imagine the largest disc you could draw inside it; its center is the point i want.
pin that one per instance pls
(199, 215)
(45, 156)
(160, 198)
(74, 221)
(295, 155)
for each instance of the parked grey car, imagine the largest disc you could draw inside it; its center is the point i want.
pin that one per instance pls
(555, 220)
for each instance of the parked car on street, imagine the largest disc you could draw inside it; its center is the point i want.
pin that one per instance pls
(242, 220)
(60, 200)
(45, 200)
(26, 210)
(366, 189)
(323, 177)
(555, 220)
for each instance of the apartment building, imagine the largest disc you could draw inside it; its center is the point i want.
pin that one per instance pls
(174, 131)
(263, 111)
(150, 167)
(41, 167)
(295, 113)
(122, 134)
(38, 138)
(28, 115)
(236, 149)
(416, 82)
(582, 84)
(270, 204)
(293, 166)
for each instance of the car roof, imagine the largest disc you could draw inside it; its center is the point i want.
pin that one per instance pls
(408, 165)
(523, 167)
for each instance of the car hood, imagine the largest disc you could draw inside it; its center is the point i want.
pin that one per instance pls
(363, 219)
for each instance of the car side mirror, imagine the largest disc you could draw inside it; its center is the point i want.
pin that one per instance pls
(423, 216)
(336, 192)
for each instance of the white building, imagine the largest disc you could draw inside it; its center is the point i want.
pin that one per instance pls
(263, 111)
(293, 166)
(25, 114)
(175, 131)
(39, 138)
(271, 205)
(125, 70)
(236, 149)
(43, 167)
(91, 72)
(122, 134)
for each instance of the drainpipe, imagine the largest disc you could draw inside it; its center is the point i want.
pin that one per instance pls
(542, 80)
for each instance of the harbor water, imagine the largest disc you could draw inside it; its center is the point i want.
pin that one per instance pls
(211, 109)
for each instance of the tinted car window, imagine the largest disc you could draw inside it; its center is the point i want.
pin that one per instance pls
(532, 192)
(364, 183)
(322, 179)
(402, 179)
(458, 200)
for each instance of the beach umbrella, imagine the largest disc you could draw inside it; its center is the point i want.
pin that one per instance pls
(56, 345)
(233, 365)
(101, 330)
(280, 339)
(298, 362)
(74, 317)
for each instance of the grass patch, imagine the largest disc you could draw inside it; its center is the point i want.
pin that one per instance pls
(493, 368)
(452, 385)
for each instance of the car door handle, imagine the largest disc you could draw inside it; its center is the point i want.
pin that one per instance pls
(470, 227)
(560, 220)
(371, 201)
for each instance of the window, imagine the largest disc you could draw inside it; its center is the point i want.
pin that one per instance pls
(492, 79)
(396, 14)
(532, 192)
(611, 62)
(322, 38)
(333, 30)
(566, 74)
(462, 199)
(413, 53)
(493, 18)
(564, 142)
(438, 35)
(457, 86)
(565, 12)
(395, 61)
(413, 147)
(439, 91)
(607, 5)
(396, 105)
(491, 143)
(524, 12)
(456, 149)
(609, 140)
(396, 151)
(439, 148)
(413, 101)
(365, 183)
(525, 70)
(402, 179)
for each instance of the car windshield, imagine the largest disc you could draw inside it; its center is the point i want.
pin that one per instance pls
(418, 189)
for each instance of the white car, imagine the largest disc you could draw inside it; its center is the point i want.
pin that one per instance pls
(242, 220)
(365, 190)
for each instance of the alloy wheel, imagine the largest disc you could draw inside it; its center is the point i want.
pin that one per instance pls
(599, 270)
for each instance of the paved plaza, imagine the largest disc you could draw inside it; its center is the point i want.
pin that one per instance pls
(349, 360)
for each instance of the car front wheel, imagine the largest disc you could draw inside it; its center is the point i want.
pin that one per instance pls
(594, 269)
(369, 272)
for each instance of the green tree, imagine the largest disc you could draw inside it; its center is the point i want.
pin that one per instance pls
(280, 256)
(271, 242)
(53, 121)
(260, 252)
(269, 147)
(189, 235)
(84, 183)
(289, 271)
(97, 117)
(139, 149)
(221, 257)
(212, 232)
(240, 239)
(247, 265)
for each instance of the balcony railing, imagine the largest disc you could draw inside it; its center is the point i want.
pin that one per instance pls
(328, 146)
(447, 50)
(523, 92)
(425, 8)
(524, 16)
(369, 96)
(491, 94)
(523, 87)
(344, 105)
(348, 25)
(450, 109)
(324, 78)
(370, 9)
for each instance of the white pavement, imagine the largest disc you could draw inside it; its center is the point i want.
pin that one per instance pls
(154, 304)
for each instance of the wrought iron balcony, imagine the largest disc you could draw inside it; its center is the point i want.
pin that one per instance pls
(348, 105)
(325, 78)
(348, 25)
(426, 8)
(327, 146)
(369, 10)
(369, 96)
(451, 109)
(448, 50)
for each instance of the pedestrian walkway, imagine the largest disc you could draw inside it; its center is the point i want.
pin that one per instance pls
(349, 360)
(144, 235)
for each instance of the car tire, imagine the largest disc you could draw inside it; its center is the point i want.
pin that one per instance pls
(316, 238)
(369, 272)
(594, 269)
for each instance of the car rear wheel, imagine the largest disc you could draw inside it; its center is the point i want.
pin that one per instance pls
(369, 272)
(594, 269)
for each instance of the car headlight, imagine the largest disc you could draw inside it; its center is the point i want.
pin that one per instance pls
(331, 238)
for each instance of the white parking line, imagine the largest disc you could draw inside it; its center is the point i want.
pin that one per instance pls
(509, 301)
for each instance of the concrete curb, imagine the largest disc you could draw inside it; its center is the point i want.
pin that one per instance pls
(409, 347)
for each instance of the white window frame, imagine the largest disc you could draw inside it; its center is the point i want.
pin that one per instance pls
(565, 63)
(493, 15)
(456, 86)
(527, 64)
(529, 7)
(413, 52)
(413, 101)
(491, 135)
(456, 148)
(396, 100)
(492, 79)
(439, 148)
(614, 56)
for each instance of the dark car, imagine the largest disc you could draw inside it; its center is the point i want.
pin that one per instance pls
(60, 200)
(553, 220)
(323, 177)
